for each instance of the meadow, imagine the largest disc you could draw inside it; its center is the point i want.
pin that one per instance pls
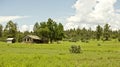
(58, 55)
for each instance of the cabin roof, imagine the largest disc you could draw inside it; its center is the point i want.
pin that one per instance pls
(33, 37)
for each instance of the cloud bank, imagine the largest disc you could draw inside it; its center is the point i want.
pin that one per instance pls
(8, 18)
(24, 28)
(90, 13)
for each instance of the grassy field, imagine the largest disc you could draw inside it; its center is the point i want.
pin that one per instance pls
(58, 55)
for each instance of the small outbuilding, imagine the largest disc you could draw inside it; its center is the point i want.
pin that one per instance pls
(10, 40)
(33, 39)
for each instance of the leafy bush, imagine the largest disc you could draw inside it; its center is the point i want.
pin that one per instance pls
(75, 49)
(74, 39)
(3, 39)
(119, 39)
(98, 44)
(84, 40)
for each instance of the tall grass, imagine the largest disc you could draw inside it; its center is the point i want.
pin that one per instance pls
(58, 55)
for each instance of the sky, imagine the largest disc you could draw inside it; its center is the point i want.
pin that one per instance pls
(71, 13)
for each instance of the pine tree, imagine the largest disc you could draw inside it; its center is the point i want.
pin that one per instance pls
(106, 34)
(98, 32)
(1, 30)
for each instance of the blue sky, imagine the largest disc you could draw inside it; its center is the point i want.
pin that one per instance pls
(31, 11)
(36, 10)
(42, 8)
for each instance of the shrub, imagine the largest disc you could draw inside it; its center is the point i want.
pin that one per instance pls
(3, 39)
(72, 40)
(84, 40)
(119, 39)
(98, 44)
(75, 49)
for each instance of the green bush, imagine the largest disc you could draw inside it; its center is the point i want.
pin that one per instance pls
(75, 49)
(98, 44)
(119, 39)
(74, 39)
(3, 39)
(84, 40)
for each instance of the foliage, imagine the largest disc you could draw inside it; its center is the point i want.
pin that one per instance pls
(49, 30)
(119, 39)
(74, 39)
(98, 32)
(98, 44)
(10, 29)
(75, 49)
(1, 30)
(84, 40)
(53, 31)
(85, 35)
(119, 35)
(106, 34)
(20, 36)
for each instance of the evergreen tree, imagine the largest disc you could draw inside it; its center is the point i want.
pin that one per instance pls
(119, 35)
(60, 32)
(1, 30)
(106, 34)
(98, 32)
(35, 28)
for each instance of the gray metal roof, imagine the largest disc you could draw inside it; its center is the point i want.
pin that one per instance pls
(8, 39)
(33, 37)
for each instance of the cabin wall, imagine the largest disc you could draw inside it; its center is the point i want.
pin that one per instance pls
(30, 40)
(9, 41)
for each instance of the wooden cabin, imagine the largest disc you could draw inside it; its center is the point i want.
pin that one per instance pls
(33, 39)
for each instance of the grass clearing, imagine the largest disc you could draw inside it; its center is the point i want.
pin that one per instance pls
(58, 55)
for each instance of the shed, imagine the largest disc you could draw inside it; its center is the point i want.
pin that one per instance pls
(33, 39)
(10, 40)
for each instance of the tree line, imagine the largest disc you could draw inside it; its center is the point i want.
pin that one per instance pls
(101, 33)
(54, 31)
(50, 30)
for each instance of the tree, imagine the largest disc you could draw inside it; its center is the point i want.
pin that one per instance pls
(35, 28)
(44, 32)
(11, 29)
(49, 30)
(106, 34)
(20, 36)
(119, 35)
(84, 34)
(60, 31)
(1, 30)
(98, 32)
(50, 24)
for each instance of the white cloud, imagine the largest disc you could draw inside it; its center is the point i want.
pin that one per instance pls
(118, 11)
(8, 18)
(90, 13)
(24, 28)
(31, 28)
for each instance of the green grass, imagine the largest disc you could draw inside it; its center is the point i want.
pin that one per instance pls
(58, 55)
